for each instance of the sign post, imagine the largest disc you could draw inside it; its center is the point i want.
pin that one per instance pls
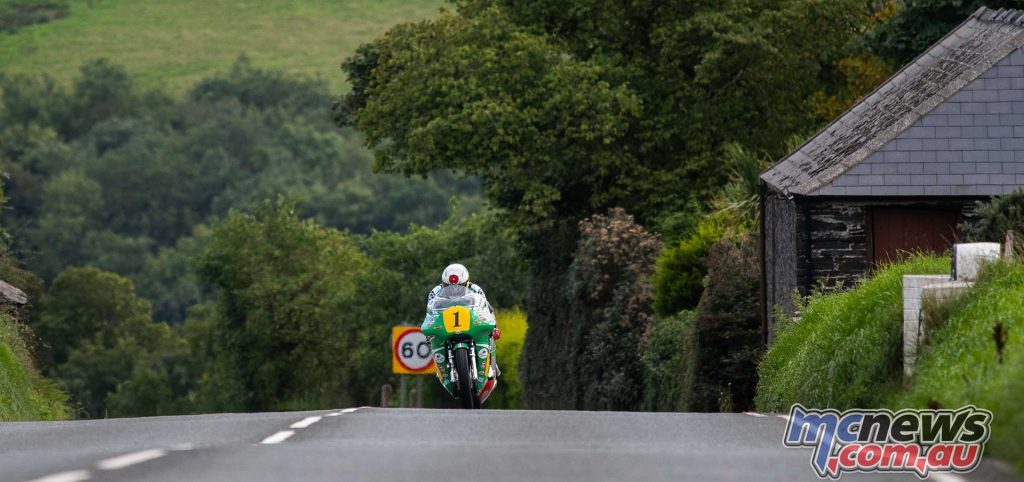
(410, 355)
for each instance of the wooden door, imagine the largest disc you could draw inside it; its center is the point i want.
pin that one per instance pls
(898, 231)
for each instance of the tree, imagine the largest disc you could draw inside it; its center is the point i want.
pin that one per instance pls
(919, 23)
(89, 304)
(283, 287)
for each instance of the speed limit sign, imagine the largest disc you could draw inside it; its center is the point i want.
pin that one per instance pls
(410, 351)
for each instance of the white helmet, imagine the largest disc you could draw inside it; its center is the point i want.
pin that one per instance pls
(455, 274)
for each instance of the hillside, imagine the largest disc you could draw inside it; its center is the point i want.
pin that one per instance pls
(177, 42)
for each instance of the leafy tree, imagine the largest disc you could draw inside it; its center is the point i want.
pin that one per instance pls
(89, 304)
(919, 23)
(106, 351)
(282, 282)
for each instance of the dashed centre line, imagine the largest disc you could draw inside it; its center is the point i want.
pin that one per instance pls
(122, 461)
(301, 424)
(306, 422)
(69, 476)
(278, 437)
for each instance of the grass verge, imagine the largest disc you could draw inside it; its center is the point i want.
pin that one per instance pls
(846, 349)
(24, 394)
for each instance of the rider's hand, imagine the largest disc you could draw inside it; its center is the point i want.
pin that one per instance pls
(497, 333)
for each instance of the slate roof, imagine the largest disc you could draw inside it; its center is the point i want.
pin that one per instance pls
(963, 55)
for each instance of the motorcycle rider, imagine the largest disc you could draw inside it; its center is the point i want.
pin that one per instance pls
(457, 274)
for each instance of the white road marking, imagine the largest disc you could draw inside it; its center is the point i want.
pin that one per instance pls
(122, 461)
(783, 416)
(69, 476)
(347, 410)
(754, 414)
(278, 437)
(305, 422)
(946, 478)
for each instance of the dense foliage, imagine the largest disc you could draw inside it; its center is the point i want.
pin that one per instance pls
(726, 335)
(565, 110)
(107, 176)
(283, 285)
(590, 343)
(996, 218)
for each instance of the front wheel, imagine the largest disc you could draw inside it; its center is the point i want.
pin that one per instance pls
(466, 383)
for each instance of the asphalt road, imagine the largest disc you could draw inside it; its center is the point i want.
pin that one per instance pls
(381, 445)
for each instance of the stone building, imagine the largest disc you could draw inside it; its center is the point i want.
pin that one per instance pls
(902, 168)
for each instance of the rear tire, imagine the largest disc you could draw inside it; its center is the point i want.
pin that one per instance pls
(467, 394)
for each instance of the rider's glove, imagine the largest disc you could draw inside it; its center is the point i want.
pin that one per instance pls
(497, 333)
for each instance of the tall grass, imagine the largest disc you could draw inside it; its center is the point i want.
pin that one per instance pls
(962, 364)
(846, 349)
(24, 394)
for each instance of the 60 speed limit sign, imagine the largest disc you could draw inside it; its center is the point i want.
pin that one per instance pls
(410, 351)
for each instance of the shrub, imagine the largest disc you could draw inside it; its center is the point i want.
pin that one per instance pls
(997, 217)
(680, 270)
(964, 364)
(513, 332)
(15, 14)
(664, 356)
(611, 310)
(846, 349)
(726, 339)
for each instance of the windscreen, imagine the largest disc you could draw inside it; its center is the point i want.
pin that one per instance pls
(455, 295)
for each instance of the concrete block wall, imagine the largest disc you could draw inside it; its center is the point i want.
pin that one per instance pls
(913, 284)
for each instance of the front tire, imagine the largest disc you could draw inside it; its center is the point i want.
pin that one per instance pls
(466, 383)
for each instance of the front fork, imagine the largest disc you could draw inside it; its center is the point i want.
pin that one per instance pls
(470, 345)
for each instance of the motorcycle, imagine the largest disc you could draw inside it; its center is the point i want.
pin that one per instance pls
(460, 334)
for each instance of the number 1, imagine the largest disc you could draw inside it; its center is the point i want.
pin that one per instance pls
(456, 319)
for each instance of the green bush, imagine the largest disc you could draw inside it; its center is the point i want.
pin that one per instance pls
(15, 14)
(509, 392)
(680, 270)
(997, 217)
(665, 355)
(726, 338)
(963, 364)
(846, 348)
(611, 309)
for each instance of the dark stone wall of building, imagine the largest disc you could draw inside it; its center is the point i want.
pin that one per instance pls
(835, 236)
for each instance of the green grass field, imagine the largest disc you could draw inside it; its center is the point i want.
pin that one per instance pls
(173, 43)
